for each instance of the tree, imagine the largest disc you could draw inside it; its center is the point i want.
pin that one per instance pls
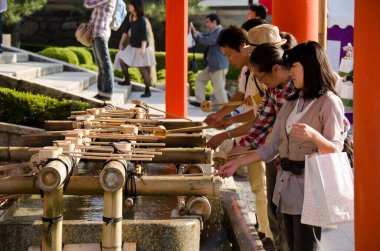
(17, 10)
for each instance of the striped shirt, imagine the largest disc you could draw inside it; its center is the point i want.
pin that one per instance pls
(101, 16)
(273, 100)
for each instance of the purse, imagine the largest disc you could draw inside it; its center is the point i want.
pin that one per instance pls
(84, 34)
(328, 191)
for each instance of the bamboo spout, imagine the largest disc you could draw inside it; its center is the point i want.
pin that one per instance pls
(112, 179)
(55, 172)
(52, 220)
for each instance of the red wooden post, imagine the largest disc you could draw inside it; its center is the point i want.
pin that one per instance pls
(176, 56)
(366, 124)
(299, 17)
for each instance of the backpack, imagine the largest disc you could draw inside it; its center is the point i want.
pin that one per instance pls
(119, 15)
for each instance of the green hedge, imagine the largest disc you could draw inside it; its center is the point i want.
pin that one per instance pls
(59, 53)
(84, 55)
(33, 109)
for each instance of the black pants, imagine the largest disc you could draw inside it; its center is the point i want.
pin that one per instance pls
(301, 237)
(276, 222)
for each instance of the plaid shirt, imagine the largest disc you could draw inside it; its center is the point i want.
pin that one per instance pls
(101, 16)
(273, 100)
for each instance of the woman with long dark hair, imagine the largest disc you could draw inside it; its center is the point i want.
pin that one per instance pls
(138, 53)
(310, 121)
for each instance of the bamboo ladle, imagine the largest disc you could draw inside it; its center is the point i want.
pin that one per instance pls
(163, 132)
(207, 106)
(137, 102)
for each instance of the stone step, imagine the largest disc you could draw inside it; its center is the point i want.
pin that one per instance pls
(13, 57)
(119, 96)
(73, 82)
(28, 70)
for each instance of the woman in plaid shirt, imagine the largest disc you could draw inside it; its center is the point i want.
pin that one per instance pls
(275, 74)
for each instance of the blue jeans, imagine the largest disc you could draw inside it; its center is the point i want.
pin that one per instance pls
(103, 61)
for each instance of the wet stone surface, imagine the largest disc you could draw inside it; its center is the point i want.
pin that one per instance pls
(149, 215)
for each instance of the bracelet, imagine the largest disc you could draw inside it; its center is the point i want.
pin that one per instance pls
(229, 134)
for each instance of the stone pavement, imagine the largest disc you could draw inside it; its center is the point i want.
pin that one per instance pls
(335, 238)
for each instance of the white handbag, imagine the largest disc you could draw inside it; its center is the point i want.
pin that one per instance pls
(329, 190)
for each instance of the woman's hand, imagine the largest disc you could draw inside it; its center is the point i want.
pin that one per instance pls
(212, 118)
(303, 131)
(142, 52)
(228, 169)
(223, 123)
(215, 141)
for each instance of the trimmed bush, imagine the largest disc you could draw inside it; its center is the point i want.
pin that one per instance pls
(160, 59)
(84, 56)
(191, 76)
(135, 75)
(33, 109)
(91, 67)
(62, 54)
(161, 75)
(113, 53)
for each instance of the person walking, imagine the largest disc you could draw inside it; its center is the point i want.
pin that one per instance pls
(216, 65)
(101, 18)
(311, 121)
(138, 52)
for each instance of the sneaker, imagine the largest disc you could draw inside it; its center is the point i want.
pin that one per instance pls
(103, 98)
(146, 95)
(125, 82)
(195, 103)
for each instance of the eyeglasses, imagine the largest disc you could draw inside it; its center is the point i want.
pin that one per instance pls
(261, 92)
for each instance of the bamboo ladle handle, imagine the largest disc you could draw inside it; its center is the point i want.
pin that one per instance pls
(207, 106)
(137, 102)
(190, 129)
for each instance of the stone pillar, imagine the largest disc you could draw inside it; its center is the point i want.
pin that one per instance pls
(299, 17)
(366, 125)
(176, 56)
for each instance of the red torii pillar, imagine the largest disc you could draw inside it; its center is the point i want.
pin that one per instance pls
(298, 17)
(366, 125)
(176, 56)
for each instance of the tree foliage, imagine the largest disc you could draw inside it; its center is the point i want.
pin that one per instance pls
(18, 9)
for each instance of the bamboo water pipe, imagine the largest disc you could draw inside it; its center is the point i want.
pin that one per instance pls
(55, 172)
(50, 180)
(110, 149)
(197, 155)
(112, 180)
(52, 220)
(17, 153)
(137, 102)
(172, 185)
